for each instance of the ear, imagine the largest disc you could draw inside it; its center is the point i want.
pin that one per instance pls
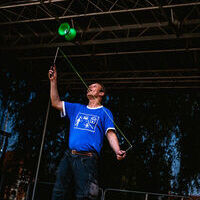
(101, 94)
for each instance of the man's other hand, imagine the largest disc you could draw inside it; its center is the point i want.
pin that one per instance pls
(121, 155)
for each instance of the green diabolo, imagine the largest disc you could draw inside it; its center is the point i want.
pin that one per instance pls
(65, 30)
(71, 34)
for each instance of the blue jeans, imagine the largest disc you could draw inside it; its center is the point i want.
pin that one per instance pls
(80, 170)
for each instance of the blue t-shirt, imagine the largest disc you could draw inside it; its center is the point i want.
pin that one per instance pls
(87, 126)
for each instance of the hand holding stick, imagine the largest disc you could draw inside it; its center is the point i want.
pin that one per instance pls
(52, 73)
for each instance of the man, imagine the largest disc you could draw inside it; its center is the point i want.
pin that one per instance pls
(88, 125)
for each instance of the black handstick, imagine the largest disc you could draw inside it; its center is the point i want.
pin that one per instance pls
(52, 67)
(129, 148)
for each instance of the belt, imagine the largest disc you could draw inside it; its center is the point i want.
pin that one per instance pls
(81, 153)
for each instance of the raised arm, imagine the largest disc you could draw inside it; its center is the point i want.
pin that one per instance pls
(114, 143)
(55, 98)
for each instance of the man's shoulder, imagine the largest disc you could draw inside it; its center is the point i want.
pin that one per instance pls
(74, 104)
(106, 109)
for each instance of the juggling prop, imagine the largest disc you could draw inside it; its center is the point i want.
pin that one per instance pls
(65, 30)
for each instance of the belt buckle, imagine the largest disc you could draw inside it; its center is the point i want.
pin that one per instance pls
(74, 152)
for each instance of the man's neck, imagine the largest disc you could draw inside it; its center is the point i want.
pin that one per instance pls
(93, 103)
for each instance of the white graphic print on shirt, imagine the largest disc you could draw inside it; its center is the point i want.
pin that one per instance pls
(86, 122)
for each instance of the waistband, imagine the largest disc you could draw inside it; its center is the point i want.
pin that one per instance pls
(82, 153)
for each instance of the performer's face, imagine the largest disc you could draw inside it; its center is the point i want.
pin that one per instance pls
(95, 90)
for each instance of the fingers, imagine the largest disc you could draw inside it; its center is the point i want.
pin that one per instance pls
(52, 73)
(121, 155)
(53, 68)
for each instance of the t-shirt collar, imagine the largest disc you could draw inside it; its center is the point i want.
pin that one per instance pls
(95, 107)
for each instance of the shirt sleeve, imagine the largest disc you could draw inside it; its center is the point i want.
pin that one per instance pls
(68, 109)
(109, 121)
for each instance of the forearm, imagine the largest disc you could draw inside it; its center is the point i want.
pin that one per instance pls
(55, 98)
(113, 141)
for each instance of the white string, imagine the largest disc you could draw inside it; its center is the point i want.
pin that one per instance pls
(74, 69)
